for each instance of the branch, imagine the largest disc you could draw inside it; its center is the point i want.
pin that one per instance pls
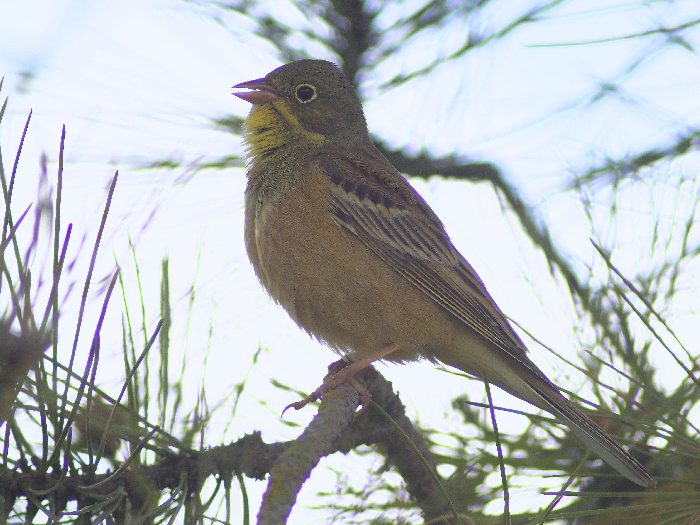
(294, 465)
(336, 428)
(371, 428)
(617, 169)
(249, 456)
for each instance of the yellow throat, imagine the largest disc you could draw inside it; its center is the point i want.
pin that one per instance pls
(270, 128)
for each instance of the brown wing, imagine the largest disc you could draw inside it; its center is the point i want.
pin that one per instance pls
(372, 199)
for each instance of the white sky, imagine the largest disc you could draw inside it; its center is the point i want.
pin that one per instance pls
(139, 80)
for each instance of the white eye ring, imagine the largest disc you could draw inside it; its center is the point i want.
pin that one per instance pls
(305, 93)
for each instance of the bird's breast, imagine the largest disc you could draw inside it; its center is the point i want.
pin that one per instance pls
(328, 280)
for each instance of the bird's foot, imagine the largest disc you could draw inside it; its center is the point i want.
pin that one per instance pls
(331, 381)
(342, 371)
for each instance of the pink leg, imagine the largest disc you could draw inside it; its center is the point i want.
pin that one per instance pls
(346, 372)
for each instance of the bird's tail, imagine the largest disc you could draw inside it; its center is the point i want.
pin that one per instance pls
(594, 437)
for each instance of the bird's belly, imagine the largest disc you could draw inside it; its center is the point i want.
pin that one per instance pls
(323, 275)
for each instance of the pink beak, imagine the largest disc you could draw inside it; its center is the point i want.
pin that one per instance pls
(260, 93)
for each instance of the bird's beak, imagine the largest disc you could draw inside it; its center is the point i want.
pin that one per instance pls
(261, 92)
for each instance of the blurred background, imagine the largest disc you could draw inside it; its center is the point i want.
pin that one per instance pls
(533, 128)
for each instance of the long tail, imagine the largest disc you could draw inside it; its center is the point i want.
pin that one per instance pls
(594, 437)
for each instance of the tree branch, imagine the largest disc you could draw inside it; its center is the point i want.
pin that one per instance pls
(293, 467)
(336, 428)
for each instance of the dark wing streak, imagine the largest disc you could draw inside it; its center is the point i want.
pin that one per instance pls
(427, 243)
(466, 308)
(398, 230)
(473, 313)
(420, 271)
(469, 276)
(418, 250)
(376, 223)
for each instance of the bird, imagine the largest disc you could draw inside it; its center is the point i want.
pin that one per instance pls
(358, 259)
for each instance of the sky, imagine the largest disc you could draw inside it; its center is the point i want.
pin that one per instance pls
(136, 81)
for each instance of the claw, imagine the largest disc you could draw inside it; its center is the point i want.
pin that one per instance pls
(340, 372)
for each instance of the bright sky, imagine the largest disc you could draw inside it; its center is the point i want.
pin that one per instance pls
(139, 80)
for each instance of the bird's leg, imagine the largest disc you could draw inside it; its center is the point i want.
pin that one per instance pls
(342, 371)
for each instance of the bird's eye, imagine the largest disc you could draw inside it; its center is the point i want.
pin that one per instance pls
(305, 93)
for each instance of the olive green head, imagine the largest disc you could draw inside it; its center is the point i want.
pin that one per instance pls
(317, 95)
